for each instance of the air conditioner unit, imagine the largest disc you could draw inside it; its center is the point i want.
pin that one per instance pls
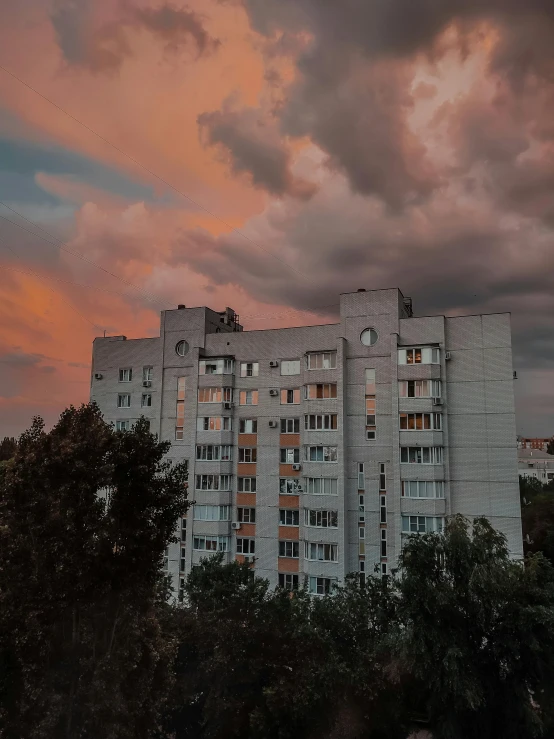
(227, 406)
(296, 467)
(236, 525)
(274, 392)
(273, 424)
(147, 383)
(274, 363)
(448, 355)
(437, 401)
(97, 376)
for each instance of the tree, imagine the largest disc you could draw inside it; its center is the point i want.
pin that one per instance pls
(259, 664)
(85, 515)
(476, 633)
(550, 446)
(8, 447)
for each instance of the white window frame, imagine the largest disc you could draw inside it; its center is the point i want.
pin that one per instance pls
(327, 451)
(144, 397)
(321, 360)
(434, 454)
(290, 367)
(246, 545)
(292, 513)
(322, 486)
(122, 425)
(222, 543)
(321, 422)
(289, 455)
(121, 403)
(214, 453)
(432, 387)
(125, 374)
(289, 486)
(215, 394)
(212, 512)
(248, 426)
(285, 395)
(213, 482)
(423, 524)
(291, 546)
(246, 485)
(288, 581)
(423, 489)
(248, 454)
(214, 423)
(419, 355)
(147, 373)
(249, 369)
(321, 585)
(312, 394)
(321, 519)
(321, 552)
(246, 514)
(288, 423)
(248, 397)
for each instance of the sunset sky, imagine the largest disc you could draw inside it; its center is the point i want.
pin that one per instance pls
(268, 155)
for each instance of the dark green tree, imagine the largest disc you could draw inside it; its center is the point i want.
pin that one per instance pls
(476, 633)
(8, 447)
(550, 446)
(85, 515)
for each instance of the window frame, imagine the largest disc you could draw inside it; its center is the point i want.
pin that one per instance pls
(250, 543)
(241, 481)
(286, 422)
(120, 397)
(329, 385)
(254, 369)
(434, 454)
(287, 362)
(285, 394)
(310, 483)
(329, 548)
(284, 546)
(286, 452)
(245, 395)
(292, 513)
(123, 377)
(247, 451)
(332, 356)
(292, 482)
(246, 514)
(244, 421)
(325, 452)
(325, 518)
(120, 421)
(321, 417)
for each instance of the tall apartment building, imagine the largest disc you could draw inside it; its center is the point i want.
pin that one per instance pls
(314, 451)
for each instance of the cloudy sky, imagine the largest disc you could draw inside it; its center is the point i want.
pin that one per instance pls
(267, 155)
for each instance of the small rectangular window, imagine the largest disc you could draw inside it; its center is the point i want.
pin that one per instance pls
(246, 515)
(289, 486)
(322, 486)
(146, 400)
(246, 484)
(320, 391)
(290, 425)
(321, 453)
(320, 585)
(246, 546)
(290, 455)
(290, 367)
(249, 369)
(289, 517)
(147, 373)
(122, 425)
(322, 360)
(289, 549)
(288, 581)
(123, 400)
(382, 477)
(248, 426)
(248, 397)
(321, 422)
(247, 454)
(290, 396)
(125, 375)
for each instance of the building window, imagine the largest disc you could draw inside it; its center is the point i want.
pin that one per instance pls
(361, 510)
(290, 425)
(247, 454)
(290, 455)
(423, 488)
(249, 369)
(384, 569)
(246, 546)
(421, 455)
(361, 532)
(419, 355)
(316, 552)
(370, 419)
(383, 542)
(289, 517)
(212, 513)
(122, 425)
(216, 367)
(247, 484)
(290, 367)
(213, 453)
(321, 519)
(248, 397)
(248, 426)
(320, 585)
(125, 375)
(320, 391)
(382, 476)
(420, 421)
(289, 549)
(322, 360)
(322, 486)
(246, 515)
(183, 529)
(383, 508)
(419, 389)
(213, 482)
(321, 422)
(361, 476)
(369, 337)
(183, 562)
(288, 581)
(123, 400)
(146, 400)
(215, 395)
(290, 396)
(422, 524)
(214, 423)
(180, 409)
(289, 486)
(321, 453)
(181, 348)
(211, 543)
(147, 373)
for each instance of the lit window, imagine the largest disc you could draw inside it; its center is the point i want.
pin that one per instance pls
(420, 421)
(419, 355)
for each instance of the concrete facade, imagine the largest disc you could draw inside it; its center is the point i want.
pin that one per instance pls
(433, 418)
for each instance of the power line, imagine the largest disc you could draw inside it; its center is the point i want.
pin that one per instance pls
(63, 247)
(57, 292)
(146, 169)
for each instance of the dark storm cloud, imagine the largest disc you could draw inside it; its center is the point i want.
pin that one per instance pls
(254, 147)
(104, 48)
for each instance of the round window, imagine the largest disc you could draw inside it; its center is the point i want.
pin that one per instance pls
(369, 337)
(182, 348)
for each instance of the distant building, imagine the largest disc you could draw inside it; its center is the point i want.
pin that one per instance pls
(314, 451)
(535, 463)
(541, 444)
